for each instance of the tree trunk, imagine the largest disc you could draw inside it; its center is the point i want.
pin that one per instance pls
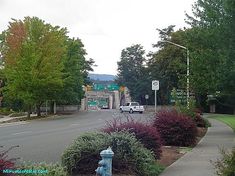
(54, 108)
(51, 107)
(29, 111)
(38, 109)
(28, 114)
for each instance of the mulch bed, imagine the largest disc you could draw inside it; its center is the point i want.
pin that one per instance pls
(172, 153)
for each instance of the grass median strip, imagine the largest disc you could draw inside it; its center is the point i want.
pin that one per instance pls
(227, 119)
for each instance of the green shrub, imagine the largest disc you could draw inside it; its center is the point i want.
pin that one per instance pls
(195, 114)
(207, 123)
(129, 154)
(18, 114)
(43, 169)
(82, 155)
(226, 165)
(5, 111)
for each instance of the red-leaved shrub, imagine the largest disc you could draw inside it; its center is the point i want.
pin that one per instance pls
(5, 162)
(198, 111)
(175, 128)
(145, 133)
(195, 115)
(200, 122)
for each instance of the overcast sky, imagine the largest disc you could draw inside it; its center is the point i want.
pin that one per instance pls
(104, 26)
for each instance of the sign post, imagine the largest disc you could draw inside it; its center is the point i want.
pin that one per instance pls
(146, 99)
(155, 87)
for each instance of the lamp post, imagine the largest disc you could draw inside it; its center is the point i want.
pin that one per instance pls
(180, 46)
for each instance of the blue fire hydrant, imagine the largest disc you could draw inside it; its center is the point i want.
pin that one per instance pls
(105, 165)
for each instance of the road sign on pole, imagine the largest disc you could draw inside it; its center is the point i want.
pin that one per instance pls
(155, 87)
(146, 96)
(155, 100)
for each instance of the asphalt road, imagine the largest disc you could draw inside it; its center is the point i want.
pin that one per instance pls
(45, 140)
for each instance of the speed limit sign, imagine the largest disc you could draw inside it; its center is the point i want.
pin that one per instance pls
(155, 85)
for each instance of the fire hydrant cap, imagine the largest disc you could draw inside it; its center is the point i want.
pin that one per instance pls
(107, 152)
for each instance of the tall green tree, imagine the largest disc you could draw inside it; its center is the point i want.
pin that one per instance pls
(86, 67)
(168, 63)
(75, 72)
(212, 40)
(131, 70)
(33, 53)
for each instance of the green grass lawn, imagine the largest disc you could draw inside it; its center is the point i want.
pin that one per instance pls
(228, 119)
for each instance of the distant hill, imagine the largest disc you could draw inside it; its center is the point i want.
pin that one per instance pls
(101, 77)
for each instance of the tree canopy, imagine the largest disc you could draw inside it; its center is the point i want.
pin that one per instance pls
(168, 63)
(41, 63)
(212, 40)
(73, 72)
(131, 70)
(211, 43)
(33, 55)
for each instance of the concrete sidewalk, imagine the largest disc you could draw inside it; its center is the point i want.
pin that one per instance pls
(6, 119)
(198, 161)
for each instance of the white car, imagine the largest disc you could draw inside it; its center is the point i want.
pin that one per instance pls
(132, 107)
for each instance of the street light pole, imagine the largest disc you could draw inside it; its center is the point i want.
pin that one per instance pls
(188, 78)
(187, 66)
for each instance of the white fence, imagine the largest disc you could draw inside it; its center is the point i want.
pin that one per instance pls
(63, 108)
(151, 108)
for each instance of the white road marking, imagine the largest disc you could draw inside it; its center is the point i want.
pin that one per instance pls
(23, 132)
(13, 124)
(74, 124)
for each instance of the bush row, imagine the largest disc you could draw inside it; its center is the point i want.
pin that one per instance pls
(136, 145)
(33, 169)
(82, 157)
(195, 114)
